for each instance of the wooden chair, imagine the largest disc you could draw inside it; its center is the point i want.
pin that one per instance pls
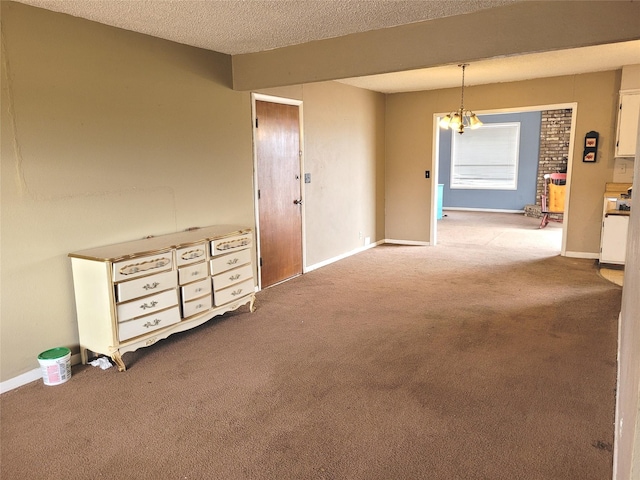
(553, 197)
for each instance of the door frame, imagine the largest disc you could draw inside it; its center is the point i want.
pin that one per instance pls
(286, 101)
(435, 154)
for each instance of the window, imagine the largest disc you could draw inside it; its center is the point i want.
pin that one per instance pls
(486, 158)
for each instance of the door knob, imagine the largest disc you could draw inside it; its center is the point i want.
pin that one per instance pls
(298, 202)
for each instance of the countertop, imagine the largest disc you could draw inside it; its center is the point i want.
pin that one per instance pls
(622, 213)
(615, 189)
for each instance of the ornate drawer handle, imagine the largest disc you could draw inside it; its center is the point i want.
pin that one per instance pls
(234, 277)
(233, 262)
(195, 274)
(151, 286)
(198, 290)
(151, 341)
(191, 254)
(236, 243)
(152, 324)
(199, 306)
(144, 306)
(143, 266)
(236, 292)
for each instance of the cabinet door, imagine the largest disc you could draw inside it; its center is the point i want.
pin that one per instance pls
(628, 124)
(614, 239)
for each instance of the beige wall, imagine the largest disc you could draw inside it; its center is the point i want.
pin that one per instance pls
(109, 135)
(344, 153)
(410, 136)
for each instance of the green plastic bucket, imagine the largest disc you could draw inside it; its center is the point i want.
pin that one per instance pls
(55, 365)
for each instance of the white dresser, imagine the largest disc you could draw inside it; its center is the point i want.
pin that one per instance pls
(130, 295)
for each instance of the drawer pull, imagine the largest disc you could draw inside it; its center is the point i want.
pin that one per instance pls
(234, 277)
(191, 254)
(144, 306)
(152, 324)
(233, 261)
(199, 306)
(144, 266)
(235, 243)
(151, 341)
(236, 292)
(195, 274)
(151, 286)
(198, 290)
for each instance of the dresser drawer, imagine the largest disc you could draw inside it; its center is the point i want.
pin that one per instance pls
(192, 254)
(139, 266)
(146, 286)
(146, 305)
(192, 273)
(195, 290)
(230, 277)
(198, 305)
(234, 292)
(229, 244)
(148, 323)
(227, 262)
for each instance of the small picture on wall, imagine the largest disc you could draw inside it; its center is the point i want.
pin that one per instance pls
(590, 146)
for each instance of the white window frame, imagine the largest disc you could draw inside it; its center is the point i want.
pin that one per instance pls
(512, 156)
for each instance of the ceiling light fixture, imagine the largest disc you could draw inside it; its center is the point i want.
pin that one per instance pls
(462, 118)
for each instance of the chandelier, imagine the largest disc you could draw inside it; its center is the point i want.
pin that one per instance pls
(462, 118)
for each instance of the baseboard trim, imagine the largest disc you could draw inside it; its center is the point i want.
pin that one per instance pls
(406, 242)
(30, 376)
(592, 256)
(491, 210)
(329, 261)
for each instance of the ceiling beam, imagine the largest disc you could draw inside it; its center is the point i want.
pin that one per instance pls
(520, 28)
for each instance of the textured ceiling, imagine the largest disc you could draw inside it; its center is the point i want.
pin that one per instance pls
(247, 26)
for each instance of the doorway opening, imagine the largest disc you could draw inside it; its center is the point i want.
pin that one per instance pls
(546, 146)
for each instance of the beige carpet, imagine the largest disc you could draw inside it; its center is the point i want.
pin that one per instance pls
(459, 361)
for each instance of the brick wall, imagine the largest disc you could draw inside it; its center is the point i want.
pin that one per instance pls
(554, 145)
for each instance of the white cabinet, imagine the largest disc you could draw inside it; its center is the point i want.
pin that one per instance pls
(613, 245)
(613, 239)
(130, 295)
(627, 126)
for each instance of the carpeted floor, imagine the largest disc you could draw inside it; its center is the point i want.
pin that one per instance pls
(477, 358)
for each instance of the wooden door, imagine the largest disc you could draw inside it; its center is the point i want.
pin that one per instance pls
(279, 193)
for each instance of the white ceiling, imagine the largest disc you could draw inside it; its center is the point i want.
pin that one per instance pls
(246, 26)
(597, 58)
